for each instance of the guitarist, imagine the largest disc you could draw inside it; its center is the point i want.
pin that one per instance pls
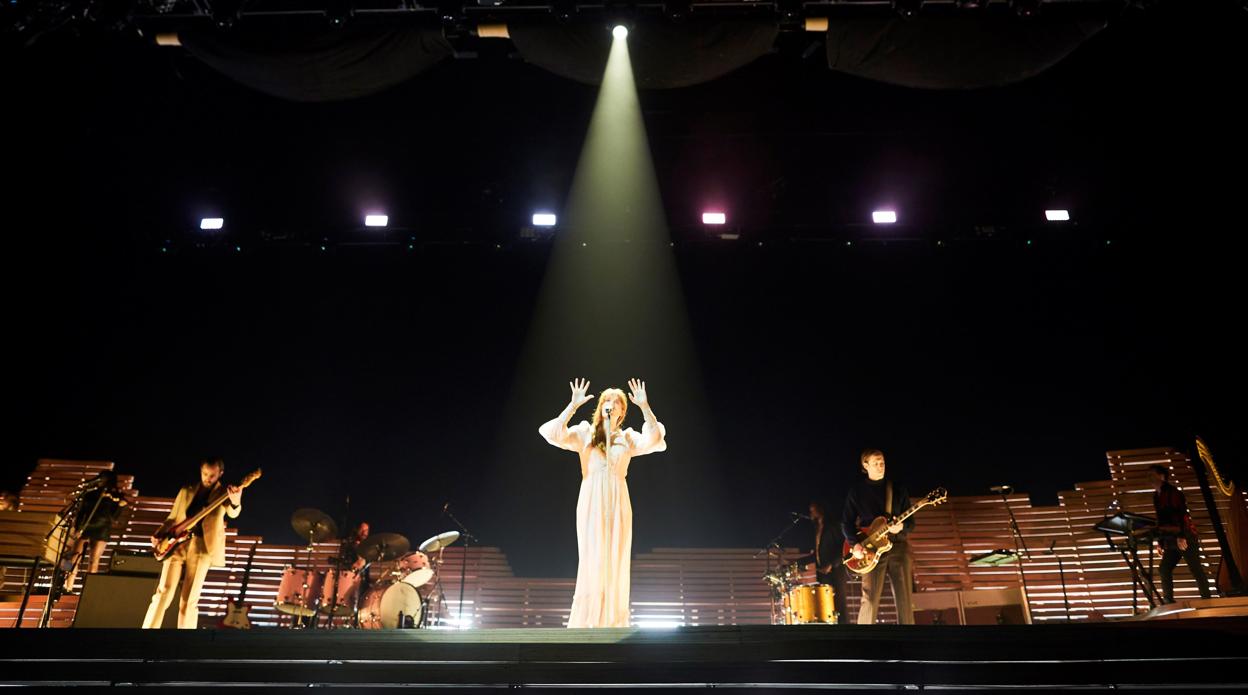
(205, 549)
(873, 497)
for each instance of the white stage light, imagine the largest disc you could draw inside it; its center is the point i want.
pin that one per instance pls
(1057, 215)
(884, 217)
(376, 220)
(620, 31)
(543, 219)
(211, 223)
(714, 218)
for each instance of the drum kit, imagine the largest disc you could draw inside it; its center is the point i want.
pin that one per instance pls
(396, 587)
(800, 602)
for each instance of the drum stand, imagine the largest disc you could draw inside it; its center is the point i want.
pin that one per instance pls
(436, 597)
(296, 621)
(772, 546)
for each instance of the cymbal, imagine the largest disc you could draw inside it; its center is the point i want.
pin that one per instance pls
(383, 546)
(439, 542)
(313, 525)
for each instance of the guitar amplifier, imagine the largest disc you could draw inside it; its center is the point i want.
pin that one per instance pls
(995, 607)
(110, 600)
(937, 608)
(134, 563)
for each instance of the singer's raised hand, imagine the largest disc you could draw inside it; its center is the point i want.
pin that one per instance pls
(637, 392)
(580, 395)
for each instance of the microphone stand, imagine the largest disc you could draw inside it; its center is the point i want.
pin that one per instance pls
(463, 566)
(775, 543)
(1020, 549)
(1061, 573)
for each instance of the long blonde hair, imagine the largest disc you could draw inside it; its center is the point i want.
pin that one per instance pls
(600, 433)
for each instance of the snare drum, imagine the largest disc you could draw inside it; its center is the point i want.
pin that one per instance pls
(338, 591)
(810, 603)
(298, 593)
(386, 601)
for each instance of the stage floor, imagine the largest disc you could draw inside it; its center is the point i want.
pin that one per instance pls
(1197, 654)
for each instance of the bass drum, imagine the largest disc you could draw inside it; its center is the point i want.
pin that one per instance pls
(386, 601)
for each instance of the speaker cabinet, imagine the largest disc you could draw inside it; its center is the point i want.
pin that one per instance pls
(110, 600)
(937, 608)
(995, 607)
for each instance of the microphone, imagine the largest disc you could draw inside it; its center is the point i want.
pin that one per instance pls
(1001, 488)
(796, 515)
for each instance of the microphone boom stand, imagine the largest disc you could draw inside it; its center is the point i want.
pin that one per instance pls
(463, 566)
(1020, 548)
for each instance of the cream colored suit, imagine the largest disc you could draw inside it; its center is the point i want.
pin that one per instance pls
(199, 554)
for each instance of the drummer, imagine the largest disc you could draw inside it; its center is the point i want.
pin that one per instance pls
(826, 556)
(349, 552)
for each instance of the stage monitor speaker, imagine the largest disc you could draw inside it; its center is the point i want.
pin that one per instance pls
(109, 600)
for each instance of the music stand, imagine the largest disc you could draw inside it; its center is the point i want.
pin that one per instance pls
(994, 558)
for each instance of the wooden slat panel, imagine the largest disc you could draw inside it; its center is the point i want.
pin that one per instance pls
(716, 586)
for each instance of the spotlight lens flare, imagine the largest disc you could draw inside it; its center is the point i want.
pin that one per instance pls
(714, 218)
(620, 31)
(1057, 215)
(884, 217)
(543, 219)
(211, 223)
(376, 220)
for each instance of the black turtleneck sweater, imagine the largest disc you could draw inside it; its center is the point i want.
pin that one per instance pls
(865, 501)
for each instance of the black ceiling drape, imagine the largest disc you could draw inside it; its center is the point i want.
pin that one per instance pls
(967, 50)
(664, 55)
(318, 64)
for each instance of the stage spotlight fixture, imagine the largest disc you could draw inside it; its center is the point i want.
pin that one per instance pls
(620, 31)
(972, 4)
(907, 9)
(1057, 215)
(884, 216)
(544, 219)
(714, 218)
(376, 220)
(1026, 8)
(211, 223)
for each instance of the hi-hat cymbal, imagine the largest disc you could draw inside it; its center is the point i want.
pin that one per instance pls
(383, 546)
(313, 525)
(439, 542)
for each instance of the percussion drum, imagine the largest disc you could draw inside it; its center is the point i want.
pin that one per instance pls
(338, 591)
(810, 604)
(415, 569)
(386, 601)
(298, 592)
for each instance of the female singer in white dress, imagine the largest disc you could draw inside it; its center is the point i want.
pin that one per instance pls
(604, 514)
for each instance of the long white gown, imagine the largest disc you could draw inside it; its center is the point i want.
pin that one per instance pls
(604, 517)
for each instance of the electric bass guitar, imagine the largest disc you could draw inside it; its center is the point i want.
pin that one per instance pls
(874, 538)
(168, 541)
(236, 610)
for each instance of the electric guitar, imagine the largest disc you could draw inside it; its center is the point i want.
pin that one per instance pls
(236, 610)
(168, 541)
(874, 538)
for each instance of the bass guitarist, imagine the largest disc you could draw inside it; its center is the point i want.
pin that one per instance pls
(205, 549)
(877, 496)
